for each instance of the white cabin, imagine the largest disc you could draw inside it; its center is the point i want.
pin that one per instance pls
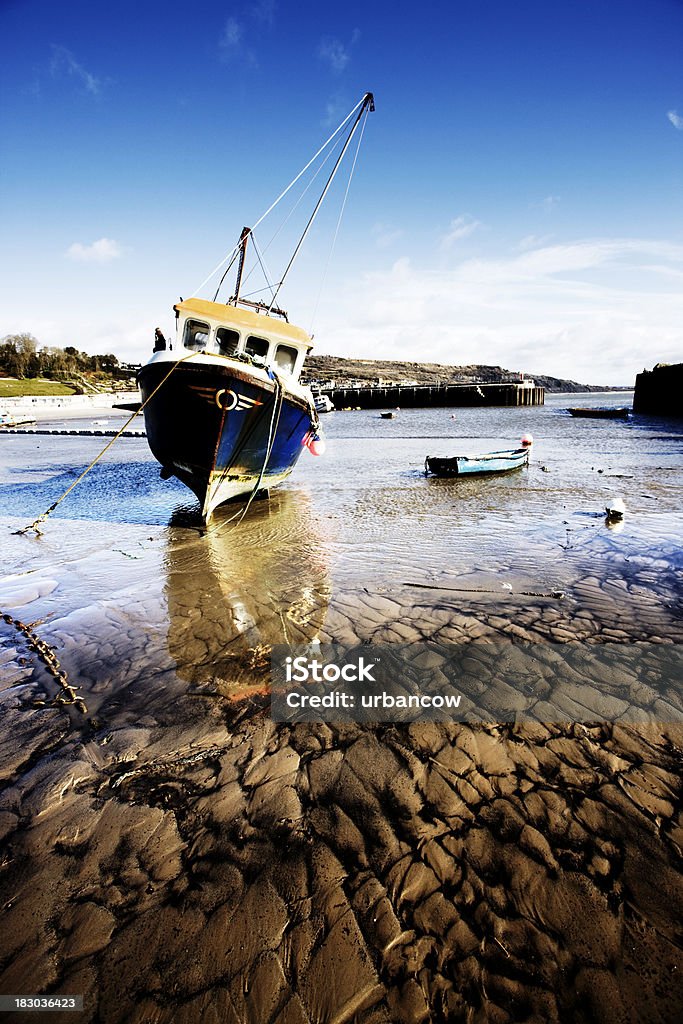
(226, 330)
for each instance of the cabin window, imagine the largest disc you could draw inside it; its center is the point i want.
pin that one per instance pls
(285, 358)
(257, 347)
(196, 334)
(227, 341)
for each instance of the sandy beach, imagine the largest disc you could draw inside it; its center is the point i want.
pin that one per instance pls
(174, 855)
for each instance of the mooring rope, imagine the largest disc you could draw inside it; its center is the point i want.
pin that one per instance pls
(278, 400)
(41, 518)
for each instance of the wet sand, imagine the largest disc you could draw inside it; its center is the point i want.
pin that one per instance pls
(174, 855)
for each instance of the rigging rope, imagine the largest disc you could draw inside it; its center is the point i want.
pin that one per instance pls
(294, 208)
(278, 400)
(50, 510)
(275, 234)
(282, 194)
(339, 220)
(225, 274)
(367, 105)
(271, 287)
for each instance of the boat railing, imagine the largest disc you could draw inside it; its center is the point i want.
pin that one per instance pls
(260, 307)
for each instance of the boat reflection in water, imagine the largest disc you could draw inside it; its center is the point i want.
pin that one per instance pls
(240, 588)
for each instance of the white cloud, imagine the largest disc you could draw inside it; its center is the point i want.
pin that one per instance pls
(232, 34)
(676, 120)
(234, 39)
(547, 205)
(336, 109)
(385, 235)
(334, 53)
(102, 251)
(263, 11)
(64, 63)
(594, 310)
(532, 241)
(459, 228)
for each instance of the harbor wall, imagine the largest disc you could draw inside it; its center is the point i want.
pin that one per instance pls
(659, 392)
(425, 396)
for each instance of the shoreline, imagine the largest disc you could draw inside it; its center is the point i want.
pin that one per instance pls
(63, 406)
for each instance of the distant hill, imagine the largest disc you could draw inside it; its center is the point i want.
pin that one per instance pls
(336, 368)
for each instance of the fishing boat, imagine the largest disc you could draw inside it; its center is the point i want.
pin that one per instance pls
(322, 403)
(225, 411)
(388, 415)
(469, 465)
(600, 414)
(7, 421)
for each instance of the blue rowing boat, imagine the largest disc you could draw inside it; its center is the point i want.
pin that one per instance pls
(469, 465)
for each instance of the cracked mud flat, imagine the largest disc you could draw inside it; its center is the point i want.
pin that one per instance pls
(175, 856)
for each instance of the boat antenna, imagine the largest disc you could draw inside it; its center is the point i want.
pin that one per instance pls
(367, 106)
(233, 252)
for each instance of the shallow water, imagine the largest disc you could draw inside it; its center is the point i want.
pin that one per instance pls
(170, 824)
(357, 537)
(366, 518)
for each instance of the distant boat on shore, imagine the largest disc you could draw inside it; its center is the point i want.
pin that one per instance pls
(322, 403)
(620, 413)
(470, 465)
(7, 421)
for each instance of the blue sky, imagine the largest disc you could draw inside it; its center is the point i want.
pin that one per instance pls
(517, 197)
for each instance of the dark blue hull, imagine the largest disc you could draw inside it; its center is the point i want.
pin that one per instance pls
(212, 424)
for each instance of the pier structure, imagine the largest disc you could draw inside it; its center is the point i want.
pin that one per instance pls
(409, 396)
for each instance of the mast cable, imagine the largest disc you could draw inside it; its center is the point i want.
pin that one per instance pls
(233, 252)
(282, 225)
(263, 266)
(301, 197)
(366, 102)
(225, 274)
(339, 220)
(289, 215)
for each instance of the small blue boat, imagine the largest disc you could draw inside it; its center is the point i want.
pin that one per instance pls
(469, 465)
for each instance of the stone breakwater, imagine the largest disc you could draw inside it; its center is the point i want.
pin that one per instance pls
(659, 392)
(175, 856)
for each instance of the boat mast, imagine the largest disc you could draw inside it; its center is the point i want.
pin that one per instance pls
(367, 106)
(242, 244)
